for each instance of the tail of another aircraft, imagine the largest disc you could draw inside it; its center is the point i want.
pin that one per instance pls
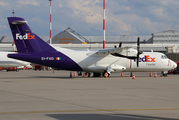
(26, 41)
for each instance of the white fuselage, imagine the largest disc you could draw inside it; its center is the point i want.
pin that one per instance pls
(9, 62)
(90, 61)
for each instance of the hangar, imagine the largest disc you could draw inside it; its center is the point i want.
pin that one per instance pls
(165, 41)
(69, 36)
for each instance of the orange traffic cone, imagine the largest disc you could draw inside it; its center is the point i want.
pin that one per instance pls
(106, 75)
(74, 73)
(155, 74)
(150, 74)
(122, 74)
(133, 76)
(70, 74)
(83, 74)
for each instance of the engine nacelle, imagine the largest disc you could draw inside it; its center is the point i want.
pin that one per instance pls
(115, 68)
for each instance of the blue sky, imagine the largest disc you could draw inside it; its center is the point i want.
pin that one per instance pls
(123, 17)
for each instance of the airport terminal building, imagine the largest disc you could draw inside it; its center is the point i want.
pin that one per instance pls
(166, 42)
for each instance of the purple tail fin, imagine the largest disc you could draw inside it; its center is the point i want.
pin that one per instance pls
(25, 39)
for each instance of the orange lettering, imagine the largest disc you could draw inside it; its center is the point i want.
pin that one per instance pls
(32, 36)
(147, 58)
(28, 35)
(152, 59)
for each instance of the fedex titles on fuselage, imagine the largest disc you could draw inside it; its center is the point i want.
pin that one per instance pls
(25, 37)
(146, 58)
(150, 61)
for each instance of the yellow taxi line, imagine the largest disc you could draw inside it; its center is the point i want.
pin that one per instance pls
(88, 110)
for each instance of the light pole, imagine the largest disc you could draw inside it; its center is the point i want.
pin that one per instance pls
(50, 21)
(104, 23)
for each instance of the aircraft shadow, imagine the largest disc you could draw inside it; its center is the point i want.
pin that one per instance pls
(104, 117)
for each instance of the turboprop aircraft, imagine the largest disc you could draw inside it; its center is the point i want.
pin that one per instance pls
(33, 49)
(9, 62)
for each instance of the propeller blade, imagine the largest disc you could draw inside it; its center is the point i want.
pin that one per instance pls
(138, 41)
(138, 47)
(119, 55)
(137, 60)
(120, 44)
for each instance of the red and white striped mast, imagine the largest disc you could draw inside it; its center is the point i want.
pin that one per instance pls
(104, 23)
(50, 21)
(13, 13)
(13, 40)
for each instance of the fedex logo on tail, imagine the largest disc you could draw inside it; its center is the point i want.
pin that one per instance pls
(146, 58)
(27, 36)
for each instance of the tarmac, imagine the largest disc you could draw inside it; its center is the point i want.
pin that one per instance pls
(48, 95)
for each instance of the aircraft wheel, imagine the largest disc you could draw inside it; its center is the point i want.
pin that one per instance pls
(79, 73)
(165, 75)
(105, 73)
(17, 70)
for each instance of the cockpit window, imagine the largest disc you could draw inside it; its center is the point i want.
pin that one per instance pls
(164, 57)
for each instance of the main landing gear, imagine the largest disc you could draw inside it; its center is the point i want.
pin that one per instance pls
(106, 74)
(103, 74)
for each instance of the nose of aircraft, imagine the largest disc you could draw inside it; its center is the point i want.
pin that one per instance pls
(174, 64)
(171, 64)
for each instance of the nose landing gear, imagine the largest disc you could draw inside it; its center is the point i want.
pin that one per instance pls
(164, 74)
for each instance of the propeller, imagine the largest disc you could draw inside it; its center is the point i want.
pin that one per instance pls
(130, 57)
(138, 46)
(120, 44)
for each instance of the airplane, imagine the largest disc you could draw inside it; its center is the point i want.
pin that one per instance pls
(6, 62)
(33, 49)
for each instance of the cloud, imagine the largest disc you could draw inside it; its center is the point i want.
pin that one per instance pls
(60, 5)
(3, 3)
(87, 10)
(3, 27)
(129, 17)
(28, 2)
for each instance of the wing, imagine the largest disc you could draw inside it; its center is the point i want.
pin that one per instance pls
(118, 52)
(115, 50)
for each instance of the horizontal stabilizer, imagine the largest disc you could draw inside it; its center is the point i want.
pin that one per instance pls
(19, 22)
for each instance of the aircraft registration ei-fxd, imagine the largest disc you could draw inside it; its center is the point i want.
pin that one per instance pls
(33, 49)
